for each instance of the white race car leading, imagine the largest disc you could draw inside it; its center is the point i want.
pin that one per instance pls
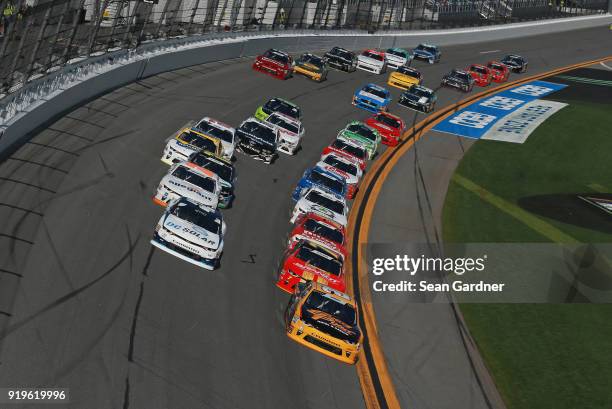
(185, 179)
(290, 132)
(192, 232)
(372, 61)
(323, 202)
(343, 167)
(222, 131)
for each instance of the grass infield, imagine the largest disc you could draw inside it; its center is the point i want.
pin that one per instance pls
(541, 356)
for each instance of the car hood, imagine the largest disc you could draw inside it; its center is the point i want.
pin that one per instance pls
(191, 232)
(370, 61)
(364, 94)
(190, 191)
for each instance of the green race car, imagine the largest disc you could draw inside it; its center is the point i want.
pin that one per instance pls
(359, 132)
(278, 105)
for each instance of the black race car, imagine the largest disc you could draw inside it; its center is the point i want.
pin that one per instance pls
(459, 79)
(341, 59)
(515, 63)
(257, 139)
(418, 98)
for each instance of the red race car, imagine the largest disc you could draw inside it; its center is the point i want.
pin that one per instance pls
(481, 74)
(346, 148)
(314, 227)
(499, 72)
(389, 126)
(310, 261)
(276, 63)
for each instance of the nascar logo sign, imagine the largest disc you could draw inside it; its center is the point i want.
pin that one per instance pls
(478, 118)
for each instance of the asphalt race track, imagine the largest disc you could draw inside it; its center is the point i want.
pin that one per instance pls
(92, 307)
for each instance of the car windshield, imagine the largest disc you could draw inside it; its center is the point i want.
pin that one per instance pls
(184, 173)
(375, 91)
(283, 123)
(260, 131)
(409, 71)
(496, 66)
(313, 60)
(398, 53)
(320, 229)
(514, 59)
(320, 259)
(326, 303)
(350, 149)
(332, 184)
(278, 105)
(362, 130)
(198, 141)
(276, 56)
(192, 213)
(480, 70)
(225, 172)
(341, 165)
(374, 56)
(342, 53)
(208, 129)
(420, 92)
(426, 48)
(386, 120)
(335, 205)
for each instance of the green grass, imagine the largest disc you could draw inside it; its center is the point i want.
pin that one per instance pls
(545, 355)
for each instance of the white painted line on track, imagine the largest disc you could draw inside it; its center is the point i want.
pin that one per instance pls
(489, 52)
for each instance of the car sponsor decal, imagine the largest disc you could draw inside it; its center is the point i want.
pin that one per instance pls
(517, 126)
(477, 119)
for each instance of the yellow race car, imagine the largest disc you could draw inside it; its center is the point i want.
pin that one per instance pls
(187, 141)
(311, 66)
(405, 77)
(325, 320)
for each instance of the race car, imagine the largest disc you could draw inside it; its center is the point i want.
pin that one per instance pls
(346, 147)
(310, 261)
(322, 202)
(515, 63)
(314, 227)
(499, 72)
(480, 74)
(390, 127)
(186, 179)
(290, 132)
(362, 134)
(311, 66)
(223, 169)
(341, 59)
(278, 105)
(372, 97)
(372, 61)
(276, 63)
(191, 232)
(257, 139)
(325, 321)
(419, 98)
(187, 141)
(223, 132)
(397, 57)
(458, 79)
(322, 178)
(405, 77)
(344, 167)
(427, 52)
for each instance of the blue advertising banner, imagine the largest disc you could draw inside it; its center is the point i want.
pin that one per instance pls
(476, 119)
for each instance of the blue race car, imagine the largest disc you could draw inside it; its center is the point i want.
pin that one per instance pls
(373, 98)
(322, 178)
(427, 52)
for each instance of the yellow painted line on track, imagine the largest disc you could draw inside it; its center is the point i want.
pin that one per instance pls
(376, 383)
(535, 223)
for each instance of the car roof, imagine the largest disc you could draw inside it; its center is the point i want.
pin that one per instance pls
(375, 86)
(216, 122)
(326, 172)
(214, 158)
(324, 220)
(253, 119)
(326, 193)
(198, 169)
(287, 118)
(340, 296)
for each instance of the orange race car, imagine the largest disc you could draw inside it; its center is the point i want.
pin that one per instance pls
(324, 320)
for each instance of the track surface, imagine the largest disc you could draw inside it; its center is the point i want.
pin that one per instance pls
(98, 311)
